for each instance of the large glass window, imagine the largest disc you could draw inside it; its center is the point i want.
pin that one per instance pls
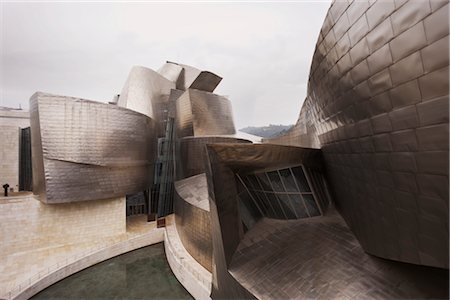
(276, 181)
(299, 205)
(311, 205)
(288, 180)
(264, 181)
(286, 193)
(276, 205)
(301, 179)
(287, 206)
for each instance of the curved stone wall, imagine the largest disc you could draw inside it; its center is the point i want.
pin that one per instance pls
(192, 218)
(86, 150)
(377, 105)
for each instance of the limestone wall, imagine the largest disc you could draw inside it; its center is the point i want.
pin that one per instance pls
(26, 223)
(10, 123)
(9, 156)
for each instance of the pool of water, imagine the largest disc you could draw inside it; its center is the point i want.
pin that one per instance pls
(139, 274)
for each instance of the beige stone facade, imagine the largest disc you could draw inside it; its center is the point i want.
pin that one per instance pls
(10, 123)
(33, 234)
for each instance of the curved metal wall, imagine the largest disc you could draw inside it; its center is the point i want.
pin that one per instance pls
(224, 161)
(377, 105)
(192, 218)
(86, 150)
(201, 113)
(191, 153)
(143, 89)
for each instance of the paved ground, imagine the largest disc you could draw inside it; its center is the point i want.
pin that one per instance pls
(320, 258)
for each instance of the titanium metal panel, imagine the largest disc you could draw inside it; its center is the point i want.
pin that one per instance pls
(85, 150)
(224, 161)
(372, 113)
(192, 78)
(202, 113)
(191, 153)
(192, 218)
(171, 71)
(143, 89)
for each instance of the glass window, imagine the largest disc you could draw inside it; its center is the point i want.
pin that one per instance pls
(276, 205)
(269, 210)
(311, 204)
(287, 206)
(301, 179)
(260, 204)
(264, 181)
(288, 180)
(250, 205)
(247, 182)
(276, 181)
(245, 214)
(299, 207)
(254, 182)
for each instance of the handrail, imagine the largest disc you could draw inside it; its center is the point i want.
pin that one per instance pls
(17, 288)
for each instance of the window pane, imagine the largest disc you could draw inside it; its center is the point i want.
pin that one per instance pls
(285, 202)
(256, 185)
(264, 181)
(311, 204)
(276, 181)
(265, 201)
(245, 214)
(288, 180)
(259, 202)
(299, 207)
(301, 179)
(276, 205)
(247, 182)
(250, 205)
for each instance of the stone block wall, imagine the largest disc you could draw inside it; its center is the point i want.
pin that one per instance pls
(26, 223)
(9, 156)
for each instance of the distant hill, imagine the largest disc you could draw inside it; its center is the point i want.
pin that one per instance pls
(267, 131)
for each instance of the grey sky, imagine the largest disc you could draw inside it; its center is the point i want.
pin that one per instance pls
(262, 50)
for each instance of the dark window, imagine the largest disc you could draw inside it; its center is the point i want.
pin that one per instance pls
(301, 179)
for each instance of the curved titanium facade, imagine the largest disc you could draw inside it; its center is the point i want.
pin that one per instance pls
(85, 150)
(202, 113)
(191, 153)
(192, 218)
(143, 90)
(225, 161)
(377, 106)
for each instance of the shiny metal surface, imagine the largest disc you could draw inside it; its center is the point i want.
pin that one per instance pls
(188, 77)
(377, 106)
(202, 113)
(321, 259)
(192, 78)
(171, 71)
(224, 161)
(143, 90)
(191, 153)
(192, 218)
(85, 150)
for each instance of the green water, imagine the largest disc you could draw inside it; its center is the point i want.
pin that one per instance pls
(139, 274)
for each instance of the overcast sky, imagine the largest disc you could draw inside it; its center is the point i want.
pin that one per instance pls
(263, 51)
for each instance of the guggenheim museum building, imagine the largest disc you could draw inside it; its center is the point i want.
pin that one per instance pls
(351, 203)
